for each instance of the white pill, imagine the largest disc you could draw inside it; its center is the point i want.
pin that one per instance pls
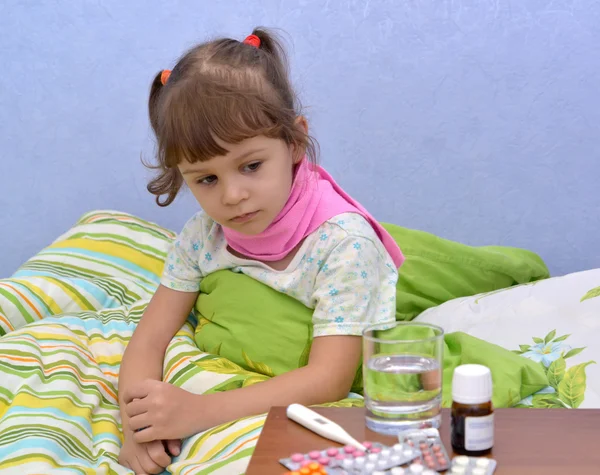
(398, 447)
(359, 461)
(431, 432)
(369, 467)
(397, 471)
(347, 463)
(461, 460)
(459, 470)
(372, 457)
(382, 463)
(482, 462)
(395, 459)
(386, 453)
(408, 452)
(416, 468)
(479, 471)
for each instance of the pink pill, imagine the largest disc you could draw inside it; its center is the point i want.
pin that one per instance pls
(297, 458)
(367, 444)
(423, 446)
(375, 450)
(436, 448)
(340, 457)
(306, 463)
(332, 452)
(314, 455)
(323, 461)
(349, 449)
(359, 453)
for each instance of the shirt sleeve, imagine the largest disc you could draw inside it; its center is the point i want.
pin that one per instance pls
(182, 271)
(355, 288)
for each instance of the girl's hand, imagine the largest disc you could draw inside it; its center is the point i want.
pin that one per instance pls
(147, 458)
(161, 411)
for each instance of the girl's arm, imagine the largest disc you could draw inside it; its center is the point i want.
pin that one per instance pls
(327, 377)
(165, 411)
(167, 311)
(143, 358)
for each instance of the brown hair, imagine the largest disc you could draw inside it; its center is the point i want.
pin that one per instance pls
(223, 90)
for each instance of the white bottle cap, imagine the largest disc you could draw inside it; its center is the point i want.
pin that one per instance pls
(472, 384)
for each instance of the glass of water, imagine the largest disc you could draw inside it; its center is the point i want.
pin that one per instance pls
(402, 371)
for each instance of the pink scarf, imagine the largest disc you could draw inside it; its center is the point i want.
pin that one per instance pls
(314, 199)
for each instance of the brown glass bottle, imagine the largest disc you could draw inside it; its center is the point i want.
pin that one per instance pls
(472, 430)
(460, 413)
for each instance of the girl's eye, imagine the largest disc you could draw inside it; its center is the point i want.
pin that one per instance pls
(207, 180)
(252, 167)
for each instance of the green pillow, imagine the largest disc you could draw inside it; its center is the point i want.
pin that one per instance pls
(437, 270)
(237, 314)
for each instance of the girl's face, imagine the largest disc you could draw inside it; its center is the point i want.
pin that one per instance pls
(245, 189)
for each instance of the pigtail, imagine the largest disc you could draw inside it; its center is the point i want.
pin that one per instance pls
(155, 90)
(271, 44)
(168, 181)
(275, 65)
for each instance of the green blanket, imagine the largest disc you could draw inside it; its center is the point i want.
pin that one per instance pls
(438, 270)
(237, 315)
(237, 328)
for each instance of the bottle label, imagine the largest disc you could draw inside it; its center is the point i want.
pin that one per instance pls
(479, 433)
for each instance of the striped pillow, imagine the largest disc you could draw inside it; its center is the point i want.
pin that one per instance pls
(106, 260)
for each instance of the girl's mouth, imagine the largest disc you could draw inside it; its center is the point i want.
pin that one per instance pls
(244, 218)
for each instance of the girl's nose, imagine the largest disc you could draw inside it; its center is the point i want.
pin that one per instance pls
(233, 194)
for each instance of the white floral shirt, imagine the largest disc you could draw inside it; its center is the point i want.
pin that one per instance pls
(342, 271)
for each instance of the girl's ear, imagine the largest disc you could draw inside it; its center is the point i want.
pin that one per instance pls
(300, 151)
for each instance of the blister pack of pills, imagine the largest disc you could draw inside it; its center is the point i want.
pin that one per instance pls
(349, 460)
(463, 465)
(433, 455)
(313, 468)
(413, 469)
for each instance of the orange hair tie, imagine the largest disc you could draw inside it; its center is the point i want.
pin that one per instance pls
(164, 76)
(252, 40)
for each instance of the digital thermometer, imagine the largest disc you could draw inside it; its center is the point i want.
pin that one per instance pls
(321, 425)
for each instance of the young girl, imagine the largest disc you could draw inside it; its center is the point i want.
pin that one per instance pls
(228, 125)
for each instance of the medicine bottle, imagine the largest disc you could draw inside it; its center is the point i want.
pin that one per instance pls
(472, 430)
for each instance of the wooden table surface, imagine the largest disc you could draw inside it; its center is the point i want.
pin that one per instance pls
(527, 441)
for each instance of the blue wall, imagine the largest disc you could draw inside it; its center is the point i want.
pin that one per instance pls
(475, 120)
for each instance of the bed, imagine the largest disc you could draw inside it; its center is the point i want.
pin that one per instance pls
(66, 316)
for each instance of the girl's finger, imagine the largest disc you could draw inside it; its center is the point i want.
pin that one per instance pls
(140, 422)
(137, 391)
(136, 407)
(145, 435)
(174, 446)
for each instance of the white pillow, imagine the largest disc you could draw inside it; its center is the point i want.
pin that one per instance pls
(532, 318)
